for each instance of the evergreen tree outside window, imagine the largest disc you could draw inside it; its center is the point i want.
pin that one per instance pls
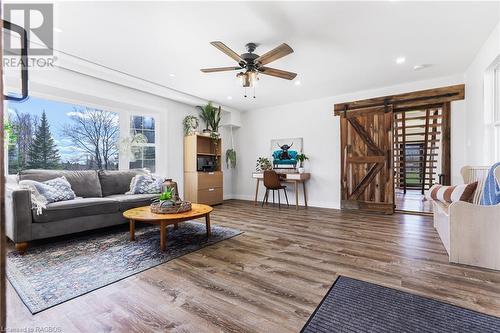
(43, 153)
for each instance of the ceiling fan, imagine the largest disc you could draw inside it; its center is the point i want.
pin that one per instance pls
(253, 64)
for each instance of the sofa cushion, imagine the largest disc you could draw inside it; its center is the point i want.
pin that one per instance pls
(52, 190)
(62, 210)
(85, 183)
(117, 182)
(449, 194)
(129, 201)
(146, 184)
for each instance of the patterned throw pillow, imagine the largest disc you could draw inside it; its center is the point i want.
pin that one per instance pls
(449, 194)
(53, 190)
(146, 184)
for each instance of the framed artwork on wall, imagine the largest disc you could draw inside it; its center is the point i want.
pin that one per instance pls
(284, 152)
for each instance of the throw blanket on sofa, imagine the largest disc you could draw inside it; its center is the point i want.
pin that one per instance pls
(491, 193)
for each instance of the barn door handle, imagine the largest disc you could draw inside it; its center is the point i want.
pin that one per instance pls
(24, 60)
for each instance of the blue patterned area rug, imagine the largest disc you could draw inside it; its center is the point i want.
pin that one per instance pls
(53, 273)
(357, 306)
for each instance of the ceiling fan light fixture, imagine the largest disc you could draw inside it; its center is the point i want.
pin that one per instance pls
(248, 79)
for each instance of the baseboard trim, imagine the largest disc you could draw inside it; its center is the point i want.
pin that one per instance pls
(319, 204)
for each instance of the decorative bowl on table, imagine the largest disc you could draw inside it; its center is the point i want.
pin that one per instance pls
(169, 207)
(169, 203)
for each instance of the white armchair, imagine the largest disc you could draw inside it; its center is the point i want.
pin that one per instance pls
(470, 232)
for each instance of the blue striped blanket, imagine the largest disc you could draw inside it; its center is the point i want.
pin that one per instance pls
(491, 193)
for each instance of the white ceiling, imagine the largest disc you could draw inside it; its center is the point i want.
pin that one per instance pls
(339, 46)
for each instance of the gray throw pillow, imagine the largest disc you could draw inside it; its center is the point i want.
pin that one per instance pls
(53, 190)
(146, 184)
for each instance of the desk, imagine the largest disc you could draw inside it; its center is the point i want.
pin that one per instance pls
(295, 178)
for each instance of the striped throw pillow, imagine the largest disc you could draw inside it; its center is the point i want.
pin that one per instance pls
(449, 194)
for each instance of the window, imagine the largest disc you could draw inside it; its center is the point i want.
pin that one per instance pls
(414, 163)
(143, 134)
(55, 135)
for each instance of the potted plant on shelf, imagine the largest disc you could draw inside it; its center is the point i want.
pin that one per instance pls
(191, 124)
(301, 158)
(216, 121)
(263, 164)
(211, 115)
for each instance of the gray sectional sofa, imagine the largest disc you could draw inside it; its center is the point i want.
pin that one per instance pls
(101, 202)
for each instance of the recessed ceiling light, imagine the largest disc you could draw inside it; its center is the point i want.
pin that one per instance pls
(420, 67)
(171, 75)
(229, 97)
(56, 29)
(400, 60)
(298, 83)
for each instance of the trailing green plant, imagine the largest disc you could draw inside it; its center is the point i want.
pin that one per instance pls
(211, 115)
(301, 158)
(263, 164)
(214, 136)
(231, 158)
(190, 124)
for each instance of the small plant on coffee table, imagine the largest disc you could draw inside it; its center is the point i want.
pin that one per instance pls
(166, 195)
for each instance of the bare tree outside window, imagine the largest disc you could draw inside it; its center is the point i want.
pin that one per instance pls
(95, 132)
(24, 126)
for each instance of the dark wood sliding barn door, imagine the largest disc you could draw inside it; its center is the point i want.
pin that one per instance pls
(366, 157)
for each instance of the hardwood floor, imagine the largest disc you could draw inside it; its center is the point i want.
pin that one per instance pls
(272, 277)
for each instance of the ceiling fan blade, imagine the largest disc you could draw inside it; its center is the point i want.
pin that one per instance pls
(221, 46)
(274, 54)
(278, 73)
(219, 69)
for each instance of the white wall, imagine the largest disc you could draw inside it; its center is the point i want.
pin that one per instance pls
(314, 121)
(458, 140)
(479, 146)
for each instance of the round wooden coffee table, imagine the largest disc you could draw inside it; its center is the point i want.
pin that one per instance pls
(143, 214)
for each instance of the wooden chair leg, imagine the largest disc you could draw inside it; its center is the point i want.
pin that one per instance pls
(265, 197)
(286, 197)
(22, 247)
(279, 200)
(273, 198)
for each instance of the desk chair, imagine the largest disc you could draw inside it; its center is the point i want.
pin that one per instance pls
(272, 182)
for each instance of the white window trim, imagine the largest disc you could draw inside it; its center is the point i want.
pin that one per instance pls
(155, 144)
(491, 113)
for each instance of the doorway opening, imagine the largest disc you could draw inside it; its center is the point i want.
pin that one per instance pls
(418, 156)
